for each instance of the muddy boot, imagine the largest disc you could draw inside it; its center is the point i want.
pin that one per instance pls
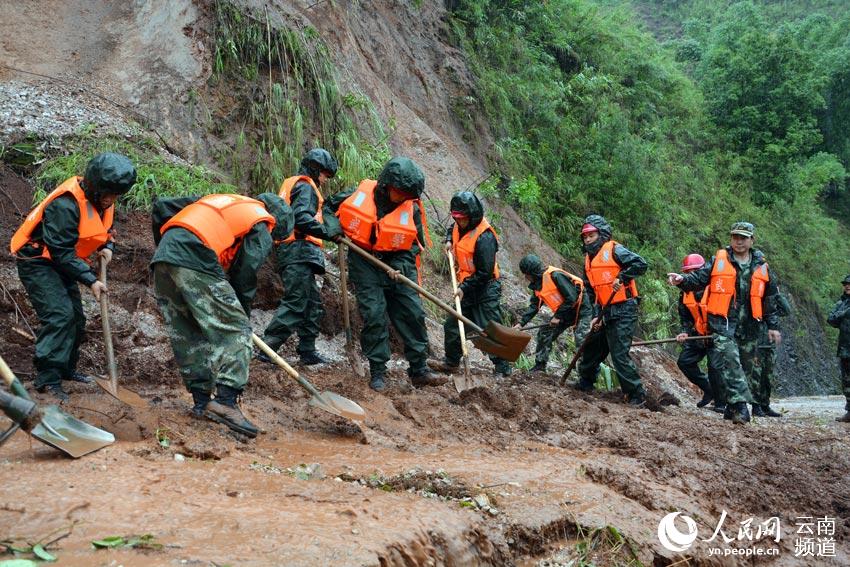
(502, 368)
(741, 414)
(844, 418)
(637, 401)
(377, 382)
(538, 367)
(56, 391)
(707, 397)
(583, 386)
(79, 377)
(718, 407)
(425, 378)
(313, 358)
(728, 411)
(445, 366)
(757, 411)
(224, 409)
(201, 400)
(770, 412)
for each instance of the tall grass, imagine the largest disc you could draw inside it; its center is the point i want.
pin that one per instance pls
(288, 100)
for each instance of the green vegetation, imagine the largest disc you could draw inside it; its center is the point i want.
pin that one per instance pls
(591, 114)
(286, 99)
(158, 173)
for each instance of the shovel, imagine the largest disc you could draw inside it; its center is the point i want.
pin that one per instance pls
(111, 385)
(495, 339)
(464, 382)
(328, 401)
(57, 428)
(350, 349)
(671, 340)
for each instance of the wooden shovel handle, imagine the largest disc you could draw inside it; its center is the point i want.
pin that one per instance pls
(584, 342)
(343, 284)
(460, 327)
(283, 364)
(10, 380)
(111, 367)
(408, 282)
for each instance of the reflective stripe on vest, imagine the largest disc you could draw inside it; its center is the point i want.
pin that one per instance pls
(722, 285)
(286, 194)
(464, 249)
(93, 230)
(550, 295)
(696, 309)
(758, 285)
(603, 270)
(220, 221)
(393, 232)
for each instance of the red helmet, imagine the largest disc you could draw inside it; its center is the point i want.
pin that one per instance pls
(588, 228)
(692, 262)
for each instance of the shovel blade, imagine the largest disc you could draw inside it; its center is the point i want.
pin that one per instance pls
(338, 405)
(75, 437)
(463, 383)
(122, 394)
(502, 341)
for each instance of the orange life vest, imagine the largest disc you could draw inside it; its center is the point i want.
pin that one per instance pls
(697, 311)
(464, 249)
(550, 295)
(220, 221)
(722, 287)
(395, 231)
(602, 271)
(93, 230)
(286, 194)
(758, 285)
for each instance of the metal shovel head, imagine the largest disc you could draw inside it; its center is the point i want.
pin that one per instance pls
(122, 394)
(336, 404)
(463, 382)
(69, 434)
(502, 341)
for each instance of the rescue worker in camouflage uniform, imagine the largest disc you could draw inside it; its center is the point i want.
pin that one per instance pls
(736, 281)
(609, 273)
(840, 317)
(205, 278)
(764, 362)
(563, 293)
(52, 248)
(386, 218)
(694, 323)
(757, 333)
(474, 244)
(300, 259)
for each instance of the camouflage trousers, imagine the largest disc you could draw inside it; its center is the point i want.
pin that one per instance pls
(844, 363)
(547, 336)
(723, 356)
(300, 310)
(758, 360)
(209, 331)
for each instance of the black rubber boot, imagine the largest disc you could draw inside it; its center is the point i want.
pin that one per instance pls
(741, 414)
(502, 368)
(707, 398)
(757, 411)
(728, 411)
(770, 412)
(539, 367)
(224, 409)
(637, 401)
(425, 378)
(313, 358)
(201, 400)
(719, 408)
(79, 377)
(377, 382)
(56, 391)
(583, 386)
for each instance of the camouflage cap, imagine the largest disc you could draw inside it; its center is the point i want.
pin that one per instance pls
(743, 229)
(846, 280)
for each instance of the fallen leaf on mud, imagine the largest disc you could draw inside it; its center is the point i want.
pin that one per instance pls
(39, 551)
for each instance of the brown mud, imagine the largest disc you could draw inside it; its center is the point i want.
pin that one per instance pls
(555, 467)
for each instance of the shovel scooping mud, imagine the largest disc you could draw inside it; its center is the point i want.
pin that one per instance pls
(55, 427)
(110, 385)
(328, 401)
(494, 338)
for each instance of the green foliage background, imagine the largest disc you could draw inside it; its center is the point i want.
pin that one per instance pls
(671, 141)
